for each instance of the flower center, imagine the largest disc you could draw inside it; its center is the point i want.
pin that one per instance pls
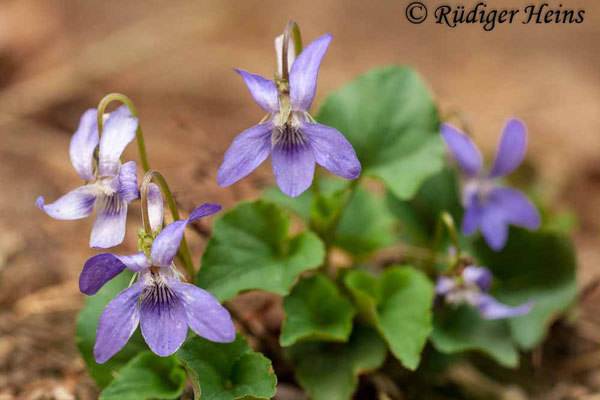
(479, 188)
(157, 293)
(288, 136)
(110, 203)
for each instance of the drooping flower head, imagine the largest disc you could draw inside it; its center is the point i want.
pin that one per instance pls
(109, 186)
(293, 141)
(471, 288)
(490, 207)
(158, 301)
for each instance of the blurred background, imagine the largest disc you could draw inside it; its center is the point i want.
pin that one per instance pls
(175, 60)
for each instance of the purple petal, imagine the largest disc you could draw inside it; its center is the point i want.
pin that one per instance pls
(204, 314)
(109, 226)
(304, 72)
(517, 207)
(163, 321)
(444, 285)
(291, 55)
(490, 308)
(117, 323)
(97, 271)
(119, 131)
(128, 187)
(263, 91)
(248, 150)
(135, 262)
(511, 149)
(83, 143)
(155, 207)
(471, 219)
(332, 150)
(204, 210)
(166, 244)
(494, 226)
(78, 203)
(293, 167)
(482, 277)
(463, 149)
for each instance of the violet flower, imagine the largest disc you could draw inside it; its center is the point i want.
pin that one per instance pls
(472, 288)
(488, 206)
(109, 185)
(163, 306)
(295, 143)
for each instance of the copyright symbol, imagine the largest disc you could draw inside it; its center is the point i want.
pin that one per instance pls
(416, 12)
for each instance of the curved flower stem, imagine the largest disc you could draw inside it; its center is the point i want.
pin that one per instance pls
(445, 220)
(184, 251)
(139, 134)
(291, 28)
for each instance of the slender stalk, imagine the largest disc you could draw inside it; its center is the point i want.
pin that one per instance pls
(444, 220)
(184, 251)
(109, 98)
(291, 28)
(329, 234)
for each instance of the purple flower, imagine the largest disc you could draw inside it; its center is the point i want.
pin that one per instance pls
(471, 288)
(295, 143)
(163, 306)
(110, 186)
(489, 207)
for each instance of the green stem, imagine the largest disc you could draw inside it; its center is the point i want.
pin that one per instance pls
(444, 220)
(184, 251)
(329, 234)
(109, 98)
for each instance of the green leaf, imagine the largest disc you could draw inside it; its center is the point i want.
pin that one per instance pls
(227, 371)
(365, 226)
(391, 120)
(147, 376)
(301, 205)
(418, 216)
(87, 323)
(463, 329)
(533, 266)
(366, 293)
(402, 302)
(316, 310)
(250, 248)
(329, 371)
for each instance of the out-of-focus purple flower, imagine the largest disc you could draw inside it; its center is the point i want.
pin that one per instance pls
(294, 143)
(110, 186)
(159, 302)
(488, 206)
(471, 288)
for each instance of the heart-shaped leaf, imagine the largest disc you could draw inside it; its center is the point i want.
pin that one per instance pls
(316, 310)
(390, 119)
(147, 376)
(227, 371)
(537, 267)
(250, 248)
(400, 305)
(463, 329)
